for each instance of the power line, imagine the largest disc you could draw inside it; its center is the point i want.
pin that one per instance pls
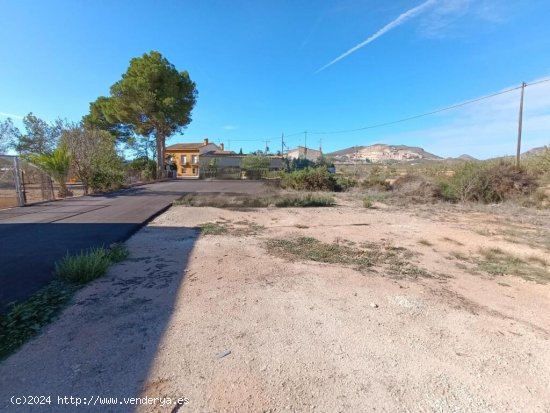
(293, 134)
(252, 140)
(469, 102)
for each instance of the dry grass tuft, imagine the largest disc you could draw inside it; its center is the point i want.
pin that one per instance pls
(495, 261)
(395, 261)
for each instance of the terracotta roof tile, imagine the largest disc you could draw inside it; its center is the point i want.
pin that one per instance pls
(185, 146)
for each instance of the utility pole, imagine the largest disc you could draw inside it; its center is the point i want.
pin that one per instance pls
(355, 160)
(520, 124)
(282, 145)
(305, 144)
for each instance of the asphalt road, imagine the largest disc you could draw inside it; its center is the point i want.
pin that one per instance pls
(33, 238)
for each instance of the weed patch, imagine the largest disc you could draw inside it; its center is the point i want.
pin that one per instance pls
(237, 201)
(88, 265)
(303, 200)
(368, 202)
(26, 319)
(213, 228)
(458, 255)
(495, 261)
(239, 228)
(396, 261)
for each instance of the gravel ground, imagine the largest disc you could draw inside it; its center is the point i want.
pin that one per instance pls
(233, 327)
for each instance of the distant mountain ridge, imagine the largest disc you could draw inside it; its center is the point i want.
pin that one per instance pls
(382, 153)
(466, 157)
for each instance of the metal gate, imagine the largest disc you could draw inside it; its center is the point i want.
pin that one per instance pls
(11, 191)
(36, 185)
(22, 183)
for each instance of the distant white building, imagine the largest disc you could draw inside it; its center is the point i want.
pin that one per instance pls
(301, 152)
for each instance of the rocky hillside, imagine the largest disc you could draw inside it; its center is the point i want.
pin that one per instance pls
(382, 153)
(536, 151)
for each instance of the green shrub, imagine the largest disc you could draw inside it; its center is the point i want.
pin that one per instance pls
(376, 179)
(255, 166)
(368, 202)
(88, 265)
(345, 182)
(417, 188)
(539, 164)
(83, 267)
(143, 167)
(309, 179)
(117, 253)
(448, 191)
(147, 175)
(487, 182)
(107, 179)
(147, 167)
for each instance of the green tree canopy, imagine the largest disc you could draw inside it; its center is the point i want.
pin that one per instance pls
(8, 135)
(255, 166)
(102, 116)
(41, 137)
(151, 99)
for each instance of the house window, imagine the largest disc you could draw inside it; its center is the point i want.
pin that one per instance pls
(194, 171)
(183, 159)
(183, 170)
(194, 159)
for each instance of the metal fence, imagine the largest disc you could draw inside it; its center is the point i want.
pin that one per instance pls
(11, 193)
(22, 183)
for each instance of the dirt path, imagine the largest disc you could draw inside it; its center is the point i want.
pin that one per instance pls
(252, 329)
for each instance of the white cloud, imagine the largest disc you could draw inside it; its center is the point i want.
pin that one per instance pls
(10, 115)
(229, 127)
(442, 21)
(487, 128)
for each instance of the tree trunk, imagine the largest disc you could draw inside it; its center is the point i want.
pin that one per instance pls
(160, 156)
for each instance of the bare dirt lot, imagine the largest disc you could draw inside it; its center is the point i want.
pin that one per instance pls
(343, 309)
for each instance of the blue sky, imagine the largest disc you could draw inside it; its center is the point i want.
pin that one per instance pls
(257, 67)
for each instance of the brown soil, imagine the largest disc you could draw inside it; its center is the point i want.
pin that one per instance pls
(306, 335)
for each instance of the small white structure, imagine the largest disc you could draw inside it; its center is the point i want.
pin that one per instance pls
(301, 152)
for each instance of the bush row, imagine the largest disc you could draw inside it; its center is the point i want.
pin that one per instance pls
(316, 179)
(484, 182)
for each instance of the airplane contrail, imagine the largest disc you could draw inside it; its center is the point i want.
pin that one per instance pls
(397, 22)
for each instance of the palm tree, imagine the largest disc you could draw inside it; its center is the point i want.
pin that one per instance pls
(57, 164)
